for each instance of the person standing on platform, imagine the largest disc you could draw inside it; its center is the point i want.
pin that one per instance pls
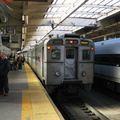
(23, 59)
(12, 59)
(19, 61)
(4, 69)
(15, 62)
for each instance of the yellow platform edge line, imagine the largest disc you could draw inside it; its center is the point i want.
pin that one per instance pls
(32, 101)
(26, 107)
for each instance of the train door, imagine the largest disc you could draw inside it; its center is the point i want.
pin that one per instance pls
(70, 63)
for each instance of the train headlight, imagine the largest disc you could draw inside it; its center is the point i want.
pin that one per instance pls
(57, 74)
(48, 47)
(83, 73)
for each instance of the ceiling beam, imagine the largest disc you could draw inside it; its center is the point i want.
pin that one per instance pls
(67, 22)
(60, 12)
(48, 5)
(101, 6)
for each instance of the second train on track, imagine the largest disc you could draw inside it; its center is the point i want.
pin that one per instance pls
(107, 63)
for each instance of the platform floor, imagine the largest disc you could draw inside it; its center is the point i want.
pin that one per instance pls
(27, 99)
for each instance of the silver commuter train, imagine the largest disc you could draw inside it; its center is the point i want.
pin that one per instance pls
(107, 63)
(63, 61)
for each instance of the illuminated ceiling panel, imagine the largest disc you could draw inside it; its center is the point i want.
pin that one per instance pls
(100, 7)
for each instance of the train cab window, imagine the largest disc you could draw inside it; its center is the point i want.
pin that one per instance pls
(86, 54)
(55, 53)
(69, 53)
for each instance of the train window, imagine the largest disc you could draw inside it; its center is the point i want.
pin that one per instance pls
(69, 53)
(55, 53)
(97, 59)
(86, 54)
(83, 42)
(116, 59)
(57, 41)
(105, 60)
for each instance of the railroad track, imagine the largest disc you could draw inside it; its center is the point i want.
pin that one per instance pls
(76, 109)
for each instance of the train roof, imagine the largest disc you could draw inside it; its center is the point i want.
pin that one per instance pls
(108, 47)
(111, 41)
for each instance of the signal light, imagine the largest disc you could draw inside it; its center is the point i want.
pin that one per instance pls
(71, 41)
(92, 48)
(48, 47)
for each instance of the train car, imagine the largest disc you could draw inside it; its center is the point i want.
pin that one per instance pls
(67, 60)
(107, 63)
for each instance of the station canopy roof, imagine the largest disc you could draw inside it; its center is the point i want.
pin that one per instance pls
(41, 18)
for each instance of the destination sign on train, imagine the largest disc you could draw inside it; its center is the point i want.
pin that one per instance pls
(84, 42)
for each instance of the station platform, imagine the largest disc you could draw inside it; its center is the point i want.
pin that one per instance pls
(27, 99)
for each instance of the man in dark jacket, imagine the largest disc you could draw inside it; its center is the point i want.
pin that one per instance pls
(4, 69)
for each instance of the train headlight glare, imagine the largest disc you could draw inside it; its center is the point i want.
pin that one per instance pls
(83, 73)
(57, 74)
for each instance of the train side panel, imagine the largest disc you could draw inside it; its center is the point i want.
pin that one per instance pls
(53, 64)
(107, 63)
(108, 72)
(86, 67)
(38, 62)
(30, 58)
(107, 56)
